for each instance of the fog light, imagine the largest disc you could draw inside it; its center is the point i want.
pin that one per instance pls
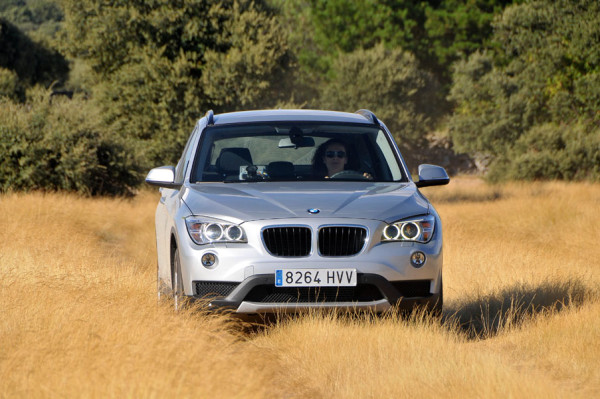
(208, 259)
(417, 259)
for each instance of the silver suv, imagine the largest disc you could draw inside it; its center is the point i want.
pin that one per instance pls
(287, 210)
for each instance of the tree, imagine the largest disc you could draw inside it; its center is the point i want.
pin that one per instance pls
(10, 87)
(58, 144)
(436, 32)
(545, 73)
(33, 62)
(454, 29)
(38, 19)
(393, 86)
(160, 65)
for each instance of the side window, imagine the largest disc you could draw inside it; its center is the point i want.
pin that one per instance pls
(184, 161)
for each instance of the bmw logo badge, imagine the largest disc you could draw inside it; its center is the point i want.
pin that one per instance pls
(313, 211)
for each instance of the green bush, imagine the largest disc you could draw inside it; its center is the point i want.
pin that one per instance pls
(541, 86)
(57, 144)
(38, 19)
(160, 65)
(33, 62)
(388, 82)
(551, 151)
(10, 87)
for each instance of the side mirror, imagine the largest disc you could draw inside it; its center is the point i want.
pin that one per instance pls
(163, 177)
(432, 175)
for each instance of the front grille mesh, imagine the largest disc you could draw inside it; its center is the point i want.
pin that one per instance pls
(214, 288)
(272, 294)
(287, 241)
(341, 240)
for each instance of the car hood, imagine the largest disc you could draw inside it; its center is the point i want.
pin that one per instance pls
(242, 202)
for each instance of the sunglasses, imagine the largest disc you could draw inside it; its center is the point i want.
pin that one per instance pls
(339, 154)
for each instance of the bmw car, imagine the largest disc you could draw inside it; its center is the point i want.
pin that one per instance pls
(288, 210)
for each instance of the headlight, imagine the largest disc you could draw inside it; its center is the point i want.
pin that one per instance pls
(205, 231)
(413, 230)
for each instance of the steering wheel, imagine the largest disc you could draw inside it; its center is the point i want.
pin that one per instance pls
(348, 175)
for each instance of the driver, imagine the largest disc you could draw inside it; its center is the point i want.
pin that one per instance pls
(331, 158)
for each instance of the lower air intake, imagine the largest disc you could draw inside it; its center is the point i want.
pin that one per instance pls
(272, 294)
(414, 288)
(213, 289)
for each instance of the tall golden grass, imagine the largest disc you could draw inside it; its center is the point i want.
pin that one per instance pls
(79, 316)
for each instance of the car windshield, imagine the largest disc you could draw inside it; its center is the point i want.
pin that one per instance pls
(295, 152)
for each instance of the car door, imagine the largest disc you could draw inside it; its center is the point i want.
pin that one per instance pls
(169, 203)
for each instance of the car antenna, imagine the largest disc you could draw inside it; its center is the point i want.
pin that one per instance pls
(210, 117)
(368, 115)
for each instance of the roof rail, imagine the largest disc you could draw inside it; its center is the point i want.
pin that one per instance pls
(210, 117)
(368, 115)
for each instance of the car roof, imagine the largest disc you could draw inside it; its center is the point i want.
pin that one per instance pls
(295, 115)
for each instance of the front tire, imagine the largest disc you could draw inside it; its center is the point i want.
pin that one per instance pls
(177, 282)
(158, 285)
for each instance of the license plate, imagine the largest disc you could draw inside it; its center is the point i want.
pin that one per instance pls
(315, 278)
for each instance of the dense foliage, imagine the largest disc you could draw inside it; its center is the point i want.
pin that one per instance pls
(516, 83)
(39, 19)
(55, 144)
(32, 62)
(391, 83)
(533, 107)
(332, 40)
(159, 65)
(436, 32)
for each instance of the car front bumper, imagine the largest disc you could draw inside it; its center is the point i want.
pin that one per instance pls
(251, 296)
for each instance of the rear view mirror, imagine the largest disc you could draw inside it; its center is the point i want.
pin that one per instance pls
(302, 142)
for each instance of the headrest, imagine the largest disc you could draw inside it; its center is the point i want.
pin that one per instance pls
(231, 159)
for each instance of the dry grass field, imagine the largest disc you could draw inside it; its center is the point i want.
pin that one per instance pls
(79, 316)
